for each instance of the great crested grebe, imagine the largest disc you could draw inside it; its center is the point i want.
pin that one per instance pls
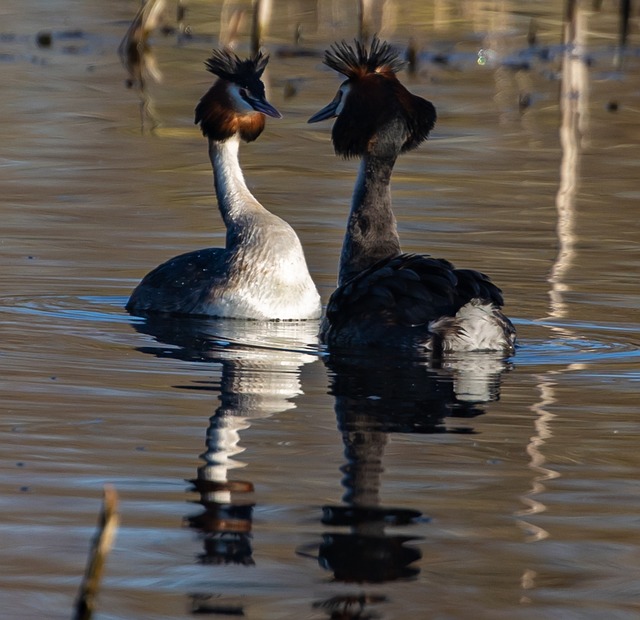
(386, 298)
(261, 273)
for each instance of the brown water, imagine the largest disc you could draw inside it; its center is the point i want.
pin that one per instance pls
(320, 485)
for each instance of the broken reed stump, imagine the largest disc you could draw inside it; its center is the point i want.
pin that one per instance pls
(100, 547)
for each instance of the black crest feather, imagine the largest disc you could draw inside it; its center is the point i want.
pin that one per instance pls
(375, 100)
(355, 60)
(228, 66)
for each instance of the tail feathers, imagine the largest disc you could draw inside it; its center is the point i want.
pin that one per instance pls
(478, 326)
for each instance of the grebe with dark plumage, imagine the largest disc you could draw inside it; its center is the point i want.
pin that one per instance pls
(261, 273)
(386, 298)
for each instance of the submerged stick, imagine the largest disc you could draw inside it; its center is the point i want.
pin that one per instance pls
(100, 547)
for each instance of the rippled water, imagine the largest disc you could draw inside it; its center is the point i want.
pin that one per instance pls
(259, 476)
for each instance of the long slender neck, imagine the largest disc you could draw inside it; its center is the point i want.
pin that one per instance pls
(371, 230)
(236, 202)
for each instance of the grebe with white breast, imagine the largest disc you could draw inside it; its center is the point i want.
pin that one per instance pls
(261, 273)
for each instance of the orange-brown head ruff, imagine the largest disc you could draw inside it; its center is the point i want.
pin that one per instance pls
(217, 113)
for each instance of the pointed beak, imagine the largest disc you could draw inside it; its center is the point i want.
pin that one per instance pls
(262, 105)
(329, 111)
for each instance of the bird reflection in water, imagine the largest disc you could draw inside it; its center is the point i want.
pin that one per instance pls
(259, 378)
(373, 398)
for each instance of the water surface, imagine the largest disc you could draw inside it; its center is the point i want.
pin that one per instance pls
(258, 475)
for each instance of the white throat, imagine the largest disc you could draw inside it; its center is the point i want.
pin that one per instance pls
(234, 197)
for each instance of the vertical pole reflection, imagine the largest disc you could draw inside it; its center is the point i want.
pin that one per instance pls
(573, 97)
(574, 90)
(542, 432)
(376, 17)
